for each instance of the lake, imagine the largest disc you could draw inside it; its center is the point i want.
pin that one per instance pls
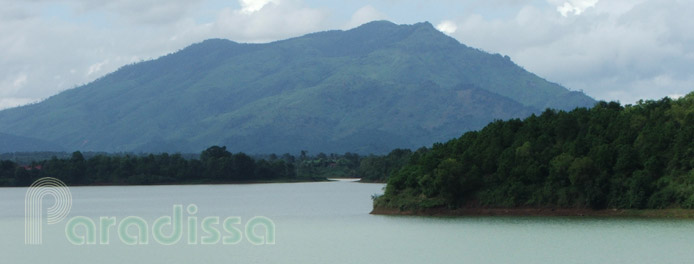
(329, 222)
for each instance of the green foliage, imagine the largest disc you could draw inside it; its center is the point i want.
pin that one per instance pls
(367, 90)
(610, 156)
(324, 166)
(215, 165)
(377, 168)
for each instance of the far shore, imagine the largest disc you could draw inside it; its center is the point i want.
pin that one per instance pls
(102, 184)
(445, 212)
(214, 182)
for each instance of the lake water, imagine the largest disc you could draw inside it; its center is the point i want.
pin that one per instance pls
(329, 222)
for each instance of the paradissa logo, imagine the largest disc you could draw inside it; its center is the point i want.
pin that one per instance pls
(168, 230)
(133, 230)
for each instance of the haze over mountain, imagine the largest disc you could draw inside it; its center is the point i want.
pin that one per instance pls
(11, 143)
(370, 89)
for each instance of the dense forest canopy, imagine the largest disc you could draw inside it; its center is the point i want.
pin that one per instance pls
(608, 156)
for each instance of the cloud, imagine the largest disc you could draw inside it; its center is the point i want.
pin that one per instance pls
(13, 102)
(132, 11)
(620, 50)
(364, 15)
(447, 26)
(12, 11)
(575, 7)
(20, 81)
(96, 68)
(250, 6)
(275, 20)
(59, 52)
(12, 84)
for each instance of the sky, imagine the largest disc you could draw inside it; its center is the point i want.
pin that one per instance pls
(621, 50)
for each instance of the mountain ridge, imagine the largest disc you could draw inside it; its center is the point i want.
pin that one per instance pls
(328, 91)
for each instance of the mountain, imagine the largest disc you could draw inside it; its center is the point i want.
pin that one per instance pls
(370, 89)
(12, 143)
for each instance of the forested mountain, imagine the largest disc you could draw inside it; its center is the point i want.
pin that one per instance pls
(12, 143)
(609, 156)
(367, 90)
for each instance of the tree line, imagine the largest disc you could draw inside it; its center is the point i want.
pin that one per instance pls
(609, 156)
(213, 165)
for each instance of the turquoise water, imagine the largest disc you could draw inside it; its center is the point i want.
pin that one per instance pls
(328, 222)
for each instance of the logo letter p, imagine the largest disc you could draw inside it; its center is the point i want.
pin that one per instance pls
(33, 207)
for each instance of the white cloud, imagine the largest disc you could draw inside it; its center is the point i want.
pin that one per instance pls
(132, 11)
(364, 15)
(250, 6)
(576, 7)
(20, 81)
(96, 67)
(98, 37)
(620, 50)
(447, 26)
(272, 22)
(12, 84)
(14, 102)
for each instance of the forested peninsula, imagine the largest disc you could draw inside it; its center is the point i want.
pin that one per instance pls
(609, 157)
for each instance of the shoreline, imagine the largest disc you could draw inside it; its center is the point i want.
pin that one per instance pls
(192, 183)
(543, 212)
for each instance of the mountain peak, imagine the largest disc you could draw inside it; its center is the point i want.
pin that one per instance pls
(378, 27)
(424, 24)
(369, 89)
(388, 25)
(214, 43)
(379, 24)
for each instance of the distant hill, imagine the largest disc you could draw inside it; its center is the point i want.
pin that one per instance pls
(11, 143)
(370, 89)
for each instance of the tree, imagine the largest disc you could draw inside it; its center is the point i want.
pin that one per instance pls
(214, 152)
(77, 168)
